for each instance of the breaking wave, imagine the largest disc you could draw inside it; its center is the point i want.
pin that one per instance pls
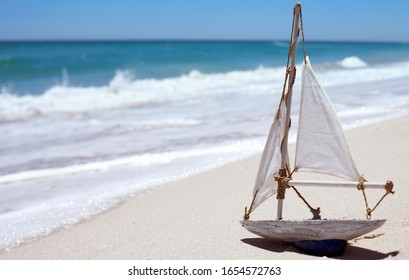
(123, 90)
(353, 62)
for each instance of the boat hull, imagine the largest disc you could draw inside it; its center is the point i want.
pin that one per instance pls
(290, 231)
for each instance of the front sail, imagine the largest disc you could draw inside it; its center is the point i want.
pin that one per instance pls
(266, 185)
(321, 144)
(275, 154)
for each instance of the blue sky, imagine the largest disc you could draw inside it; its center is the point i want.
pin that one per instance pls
(355, 20)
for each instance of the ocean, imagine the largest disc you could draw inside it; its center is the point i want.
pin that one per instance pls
(86, 125)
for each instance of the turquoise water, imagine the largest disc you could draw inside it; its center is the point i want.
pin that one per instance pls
(34, 67)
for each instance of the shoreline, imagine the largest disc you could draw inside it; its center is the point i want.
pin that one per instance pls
(198, 217)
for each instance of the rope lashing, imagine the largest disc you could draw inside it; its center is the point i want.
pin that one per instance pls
(282, 181)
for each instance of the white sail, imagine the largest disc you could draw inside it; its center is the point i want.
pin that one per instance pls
(321, 144)
(265, 185)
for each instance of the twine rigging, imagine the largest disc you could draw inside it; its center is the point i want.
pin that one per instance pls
(373, 236)
(315, 211)
(388, 190)
(247, 213)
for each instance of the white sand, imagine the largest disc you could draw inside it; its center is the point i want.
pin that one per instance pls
(198, 217)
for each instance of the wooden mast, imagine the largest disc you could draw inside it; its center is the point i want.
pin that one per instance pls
(288, 96)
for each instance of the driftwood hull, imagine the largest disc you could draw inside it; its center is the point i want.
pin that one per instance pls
(289, 231)
(314, 237)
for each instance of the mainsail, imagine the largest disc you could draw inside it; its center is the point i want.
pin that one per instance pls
(321, 145)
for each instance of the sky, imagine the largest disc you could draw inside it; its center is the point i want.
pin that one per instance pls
(341, 20)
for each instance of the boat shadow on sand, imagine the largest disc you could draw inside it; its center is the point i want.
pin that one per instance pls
(352, 252)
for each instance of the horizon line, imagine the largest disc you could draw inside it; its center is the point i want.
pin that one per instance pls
(56, 40)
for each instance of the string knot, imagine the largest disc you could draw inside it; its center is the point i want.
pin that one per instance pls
(360, 185)
(368, 213)
(389, 187)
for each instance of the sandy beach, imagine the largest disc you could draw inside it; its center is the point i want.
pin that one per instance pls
(198, 217)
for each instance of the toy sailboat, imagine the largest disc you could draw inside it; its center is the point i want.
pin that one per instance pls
(320, 147)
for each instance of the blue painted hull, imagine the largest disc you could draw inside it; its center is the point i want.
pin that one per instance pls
(328, 247)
